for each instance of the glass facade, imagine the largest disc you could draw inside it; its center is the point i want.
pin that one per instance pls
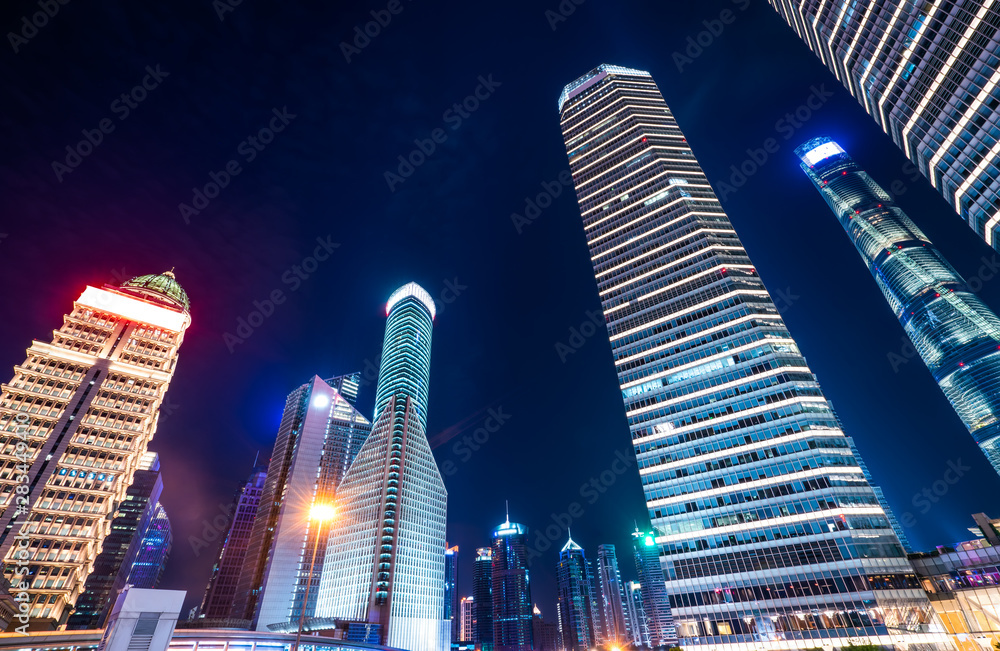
(636, 614)
(660, 630)
(385, 560)
(154, 551)
(928, 73)
(75, 421)
(955, 333)
(451, 590)
(512, 609)
(319, 436)
(610, 597)
(221, 591)
(575, 599)
(482, 591)
(768, 533)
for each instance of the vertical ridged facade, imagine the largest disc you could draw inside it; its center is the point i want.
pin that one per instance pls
(482, 591)
(575, 599)
(318, 438)
(928, 73)
(512, 608)
(610, 596)
(222, 586)
(768, 533)
(386, 551)
(955, 333)
(660, 629)
(75, 420)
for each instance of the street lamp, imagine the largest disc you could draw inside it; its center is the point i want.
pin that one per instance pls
(319, 513)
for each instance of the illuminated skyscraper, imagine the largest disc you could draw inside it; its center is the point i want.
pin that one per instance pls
(511, 589)
(221, 591)
(660, 630)
(319, 436)
(466, 610)
(928, 73)
(482, 590)
(113, 565)
(154, 551)
(636, 614)
(75, 419)
(610, 597)
(451, 590)
(575, 599)
(955, 333)
(737, 448)
(385, 559)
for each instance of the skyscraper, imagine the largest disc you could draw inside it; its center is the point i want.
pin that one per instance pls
(575, 599)
(318, 438)
(544, 633)
(385, 559)
(928, 74)
(154, 551)
(221, 591)
(76, 418)
(660, 630)
(955, 333)
(510, 588)
(737, 448)
(482, 591)
(636, 614)
(610, 597)
(467, 631)
(113, 565)
(451, 590)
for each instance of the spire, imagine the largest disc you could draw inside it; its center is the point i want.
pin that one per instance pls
(507, 504)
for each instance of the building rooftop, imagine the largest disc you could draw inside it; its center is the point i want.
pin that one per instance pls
(574, 88)
(162, 288)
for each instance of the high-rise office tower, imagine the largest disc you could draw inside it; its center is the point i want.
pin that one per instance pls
(880, 495)
(221, 591)
(319, 436)
(510, 587)
(451, 590)
(385, 559)
(544, 634)
(928, 73)
(610, 597)
(121, 546)
(467, 631)
(737, 448)
(482, 591)
(76, 418)
(660, 629)
(955, 333)
(575, 599)
(636, 614)
(154, 551)
(347, 386)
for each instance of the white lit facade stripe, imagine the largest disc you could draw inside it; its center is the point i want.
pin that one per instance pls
(943, 73)
(927, 74)
(720, 401)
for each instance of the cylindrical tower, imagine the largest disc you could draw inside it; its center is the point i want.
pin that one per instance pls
(406, 349)
(955, 333)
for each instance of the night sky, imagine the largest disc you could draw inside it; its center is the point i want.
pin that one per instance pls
(506, 298)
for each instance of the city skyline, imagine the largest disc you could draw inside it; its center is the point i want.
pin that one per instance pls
(505, 339)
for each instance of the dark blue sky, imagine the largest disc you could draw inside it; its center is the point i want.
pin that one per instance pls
(448, 224)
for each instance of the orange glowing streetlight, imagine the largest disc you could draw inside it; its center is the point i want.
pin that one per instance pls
(319, 513)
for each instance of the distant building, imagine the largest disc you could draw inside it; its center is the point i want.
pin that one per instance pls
(319, 436)
(385, 561)
(482, 591)
(576, 599)
(467, 631)
(113, 565)
(154, 551)
(610, 597)
(655, 600)
(636, 613)
(451, 612)
(545, 634)
(221, 591)
(512, 616)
